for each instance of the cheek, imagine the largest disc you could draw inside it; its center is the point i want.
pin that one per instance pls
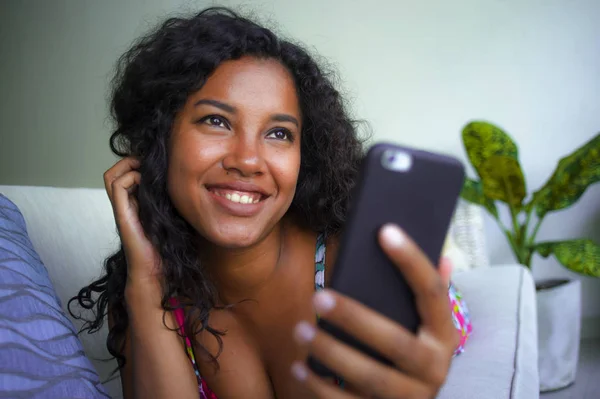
(190, 158)
(191, 154)
(285, 169)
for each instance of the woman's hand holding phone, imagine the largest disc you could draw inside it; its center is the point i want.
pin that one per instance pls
(422, 361)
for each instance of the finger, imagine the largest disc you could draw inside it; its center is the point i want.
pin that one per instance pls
(431, 293)
(117, 170)
(123, 204)
(445, 270)
(360, 370)
(320, 387)
(413, 356)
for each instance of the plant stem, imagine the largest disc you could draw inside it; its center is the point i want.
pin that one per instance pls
(527, 220)
(530, 240)
(512, 243)
(516, 226)
(525, 239)
(517, 240)
(499, 221)
(534, 233)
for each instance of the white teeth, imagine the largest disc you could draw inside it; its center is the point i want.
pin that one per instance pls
(240, 199)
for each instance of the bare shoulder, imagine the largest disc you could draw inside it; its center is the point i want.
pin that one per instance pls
(332, 245)
(307, 240)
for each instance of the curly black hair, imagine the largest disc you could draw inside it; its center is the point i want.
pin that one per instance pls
(153, 79)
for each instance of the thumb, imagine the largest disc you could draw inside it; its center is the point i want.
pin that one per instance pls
(445, 269)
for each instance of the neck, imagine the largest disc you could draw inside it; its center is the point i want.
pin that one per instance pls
(240, 273)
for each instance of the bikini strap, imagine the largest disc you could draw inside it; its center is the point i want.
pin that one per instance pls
(320, 262)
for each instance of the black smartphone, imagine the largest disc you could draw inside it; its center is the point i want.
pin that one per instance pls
(418, 191)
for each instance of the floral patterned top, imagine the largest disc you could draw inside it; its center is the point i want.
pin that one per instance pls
(460, 316)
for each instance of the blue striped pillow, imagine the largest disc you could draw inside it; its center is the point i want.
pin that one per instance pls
(41, 356)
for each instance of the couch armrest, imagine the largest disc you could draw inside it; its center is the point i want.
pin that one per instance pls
(500, 358)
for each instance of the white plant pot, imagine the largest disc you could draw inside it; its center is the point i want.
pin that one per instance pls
(559, 327)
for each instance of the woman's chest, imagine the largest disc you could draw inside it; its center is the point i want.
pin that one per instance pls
(258, 349)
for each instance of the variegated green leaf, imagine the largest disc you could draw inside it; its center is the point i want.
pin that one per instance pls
(493, 153)
(502, 180)
(581, 255)
(572, 177)
(483, 139)
(472, 191)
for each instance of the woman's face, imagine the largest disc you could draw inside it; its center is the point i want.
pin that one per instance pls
(234, 153)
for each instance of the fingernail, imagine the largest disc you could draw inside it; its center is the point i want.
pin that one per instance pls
(392, 235)
(447, 262)
(304, 332)
(323, 302)
(299, 371)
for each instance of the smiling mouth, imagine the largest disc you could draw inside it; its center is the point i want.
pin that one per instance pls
(238, 197)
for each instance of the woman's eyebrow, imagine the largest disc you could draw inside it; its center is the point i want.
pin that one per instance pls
(285, 118)
(215, 103)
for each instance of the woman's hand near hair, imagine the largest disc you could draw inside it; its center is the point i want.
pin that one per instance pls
(143, 261)
(156, 364)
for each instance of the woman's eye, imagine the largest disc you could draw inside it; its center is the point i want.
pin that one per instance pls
(215, 121)
(281, 134)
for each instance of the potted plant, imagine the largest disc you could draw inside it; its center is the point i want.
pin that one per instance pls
(495, 158)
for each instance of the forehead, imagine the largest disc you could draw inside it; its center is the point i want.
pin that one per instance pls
(251, 83)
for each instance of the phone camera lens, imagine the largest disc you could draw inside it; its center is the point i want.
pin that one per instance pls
(397, 161)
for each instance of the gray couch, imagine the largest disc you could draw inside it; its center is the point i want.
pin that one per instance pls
(73, 231)
(500, 359)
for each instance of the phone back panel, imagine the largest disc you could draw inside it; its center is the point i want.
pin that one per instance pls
(421, 200)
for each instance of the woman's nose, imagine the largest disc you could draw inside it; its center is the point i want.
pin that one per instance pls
(245, 157)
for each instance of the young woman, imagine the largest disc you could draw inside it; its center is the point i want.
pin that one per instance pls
(238, 158)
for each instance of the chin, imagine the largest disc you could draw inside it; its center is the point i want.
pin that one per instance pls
(236, 236)
(235, 243)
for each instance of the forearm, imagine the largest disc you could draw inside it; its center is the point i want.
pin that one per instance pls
(160, 367)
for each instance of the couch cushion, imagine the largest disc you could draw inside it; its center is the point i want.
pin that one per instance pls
(73, 231)
(501, 357)
(41, 354)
